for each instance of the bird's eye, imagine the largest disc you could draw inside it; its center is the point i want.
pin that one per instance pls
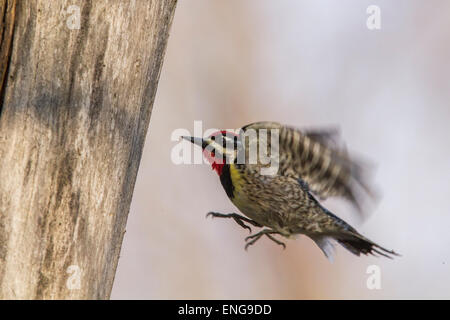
(213, 138)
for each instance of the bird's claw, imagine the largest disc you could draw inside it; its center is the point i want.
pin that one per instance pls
(239, 219)
(255, 237)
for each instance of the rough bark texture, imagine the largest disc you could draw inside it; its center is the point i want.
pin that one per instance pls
(75, 110)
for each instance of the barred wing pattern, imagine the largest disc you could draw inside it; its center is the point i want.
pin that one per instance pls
(317, 160)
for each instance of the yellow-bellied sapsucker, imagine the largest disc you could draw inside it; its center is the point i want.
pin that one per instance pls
(304, 164)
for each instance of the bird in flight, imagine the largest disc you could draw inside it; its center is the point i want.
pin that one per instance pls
(278, 191)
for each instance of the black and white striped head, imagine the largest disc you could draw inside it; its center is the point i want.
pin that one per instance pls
(219, 148)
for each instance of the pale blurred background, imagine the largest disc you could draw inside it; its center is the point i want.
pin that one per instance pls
(303, 63)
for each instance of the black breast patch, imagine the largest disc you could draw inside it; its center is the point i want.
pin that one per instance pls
(225, 179)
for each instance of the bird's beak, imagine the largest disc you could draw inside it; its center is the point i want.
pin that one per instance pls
(198, 141)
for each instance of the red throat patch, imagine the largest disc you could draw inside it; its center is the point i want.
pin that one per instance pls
(215, 164)
(218, 167)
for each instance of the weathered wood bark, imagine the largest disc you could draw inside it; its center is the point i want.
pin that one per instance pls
(75, 108)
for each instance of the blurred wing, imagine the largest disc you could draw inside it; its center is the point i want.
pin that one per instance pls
(319, 158)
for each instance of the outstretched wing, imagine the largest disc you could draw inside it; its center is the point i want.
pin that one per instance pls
(319, 159)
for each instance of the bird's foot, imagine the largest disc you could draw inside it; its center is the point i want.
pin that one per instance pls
(267, 232)
(236, 217)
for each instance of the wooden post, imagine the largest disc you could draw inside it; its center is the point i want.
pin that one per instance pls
(78, 80)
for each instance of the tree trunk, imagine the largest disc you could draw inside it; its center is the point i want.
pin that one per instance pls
(78, 80)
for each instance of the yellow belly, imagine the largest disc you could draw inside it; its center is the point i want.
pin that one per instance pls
(254, 209)
(240, 199)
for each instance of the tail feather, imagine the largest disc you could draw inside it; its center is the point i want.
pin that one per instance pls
(349, 238)
(353, 242)
(357, 244)
(326, 245)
